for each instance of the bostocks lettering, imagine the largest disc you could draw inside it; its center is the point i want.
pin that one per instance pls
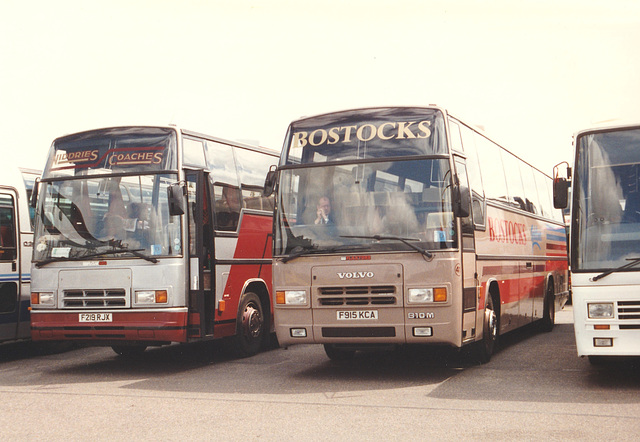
(345, 134)
(502, 230)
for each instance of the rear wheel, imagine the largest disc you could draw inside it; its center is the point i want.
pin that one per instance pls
(129, 351)
(549, 317)
(250, 329)
(489, 332)
(336, 353)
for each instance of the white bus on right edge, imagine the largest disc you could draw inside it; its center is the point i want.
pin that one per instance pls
(605, 240)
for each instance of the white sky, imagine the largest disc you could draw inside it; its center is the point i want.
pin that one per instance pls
(531, 72)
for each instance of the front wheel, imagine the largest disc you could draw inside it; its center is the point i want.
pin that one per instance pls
(336, 353)
(250, 329)
(129, 351)
(600, 361)
(489, 332)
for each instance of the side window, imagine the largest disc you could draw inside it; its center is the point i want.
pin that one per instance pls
(543, 184)
(456, 139)
(475, 177)
(461, 171)
(252, 168)
(530, 189)
(495, 187)
(8, 251)
(192, 189)
(8, 297)
(193, 152)
(515, 189)
(29, 181)
(226, 188)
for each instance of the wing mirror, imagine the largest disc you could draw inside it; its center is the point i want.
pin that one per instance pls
(561, 187)
(270, 181)
(462, 201)
(33, 201)
(175, 195)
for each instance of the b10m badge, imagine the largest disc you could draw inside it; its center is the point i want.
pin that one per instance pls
(421, 315)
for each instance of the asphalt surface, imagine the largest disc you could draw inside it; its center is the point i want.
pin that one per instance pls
(534, 388)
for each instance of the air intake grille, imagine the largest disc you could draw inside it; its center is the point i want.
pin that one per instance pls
(95, 298)
(357, 296)
(629, 310)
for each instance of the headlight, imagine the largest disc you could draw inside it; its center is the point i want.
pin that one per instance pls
(43, 298)
(420, 295)
(601, 310)
(291, 297)
(151, 297)
(438, 294)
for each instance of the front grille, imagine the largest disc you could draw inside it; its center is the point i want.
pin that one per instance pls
(94, 298)
(358, 332)
(628, 310)
(362, 295)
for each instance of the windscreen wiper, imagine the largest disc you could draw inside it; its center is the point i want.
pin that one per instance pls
(135, 252)
(309, 250)
(299, 251)
(120, 249)
(405, 241)
(633, 262)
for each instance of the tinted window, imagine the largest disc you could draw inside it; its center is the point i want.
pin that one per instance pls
(365, 134)
(252, 168)
(193, 152)
(493, 179)
(515, 189)
(475, 177)
(141, 149)
(7, 229)
(543, 185)
(226, 187)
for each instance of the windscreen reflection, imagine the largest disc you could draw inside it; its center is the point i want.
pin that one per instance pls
(341, 208)
(607, 201)
(117, 216)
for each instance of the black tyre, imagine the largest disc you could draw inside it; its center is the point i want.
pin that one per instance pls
(549, 316)
(486, 347)
(336, 353)
(250, 329)
(599, 361)
(129, 351)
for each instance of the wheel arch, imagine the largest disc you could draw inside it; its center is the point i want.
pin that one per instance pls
(259, 287)
(550, 299)
(493, 290)
(550, 285)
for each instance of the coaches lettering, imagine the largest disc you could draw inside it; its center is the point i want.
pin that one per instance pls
(388, 130)
(135, 158)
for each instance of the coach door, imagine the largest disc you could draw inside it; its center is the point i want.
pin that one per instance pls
(9, 268)
(468, 271)
(201, 299)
